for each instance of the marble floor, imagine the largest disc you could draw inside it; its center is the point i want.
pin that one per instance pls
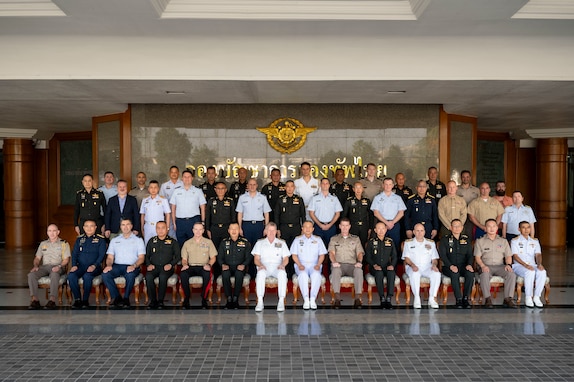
(100, 344)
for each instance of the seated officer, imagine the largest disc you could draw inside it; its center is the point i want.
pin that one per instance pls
(87, 256)
(381, 255)
(161, 256)
(234, 256)
(455, 251)
(198, 255)
(126, 254)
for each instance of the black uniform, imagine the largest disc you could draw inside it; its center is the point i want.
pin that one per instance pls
(208, 190)
(159, 253)
(422, 210)
(458, 252)
(236, 190)
(361, 216)
(342, 191)
(289, 213)
(219, 214)
(89, 206)
(234, 253)
(273, 193)
(382, 253)
(437, 190)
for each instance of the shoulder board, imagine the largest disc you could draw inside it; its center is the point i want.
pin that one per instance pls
(281, 240)
(432, 241)
(525, 206)
(535, 238)
(462, 235)
(412, 196)
(162, 197)
(516, 238)
(296, 196)
(77, 192)
(409, 240)
(429, 196)
(100, 236)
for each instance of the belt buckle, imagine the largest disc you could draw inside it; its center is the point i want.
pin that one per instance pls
(253, 221)
(359, 223)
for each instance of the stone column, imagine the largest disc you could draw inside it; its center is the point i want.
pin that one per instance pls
(551, 204)
(18, 193)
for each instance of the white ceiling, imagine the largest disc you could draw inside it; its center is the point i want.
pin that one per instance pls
(510, 63)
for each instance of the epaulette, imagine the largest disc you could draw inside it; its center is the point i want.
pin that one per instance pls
(100, 235)
(77, 192)
(432, 241)
(463, 235)
(516, 238)
(412, 196)
(161, 196)
(429, 196)
(411, 239)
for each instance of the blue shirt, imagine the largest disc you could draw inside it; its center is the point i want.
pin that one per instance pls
(388, 206)
(325, 207)
(513, 216)
(126, 250)
(187, 202)
(253, 208)
(109, 192)
(89, 250)
(166, 190)
(308, 249)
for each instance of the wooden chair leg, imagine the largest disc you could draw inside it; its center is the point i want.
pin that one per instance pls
(295, 293)
(408, 294)
(323, 292)
(332, 294)
(60, 293)
(547, 293)
(218, 292)
(444, 293)
(210, 296)
(137, 294)
(353, 292)
(246, 293)
(397, 293)
(518, 293)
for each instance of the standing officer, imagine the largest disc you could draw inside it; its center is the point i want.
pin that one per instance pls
(167, 189)
(161, 256)
(346, 254)
(121, 206)
(187, 207)
(109, 189)
(381, 255)
(90, 204)
(238, 187)
(436, 187)
(289, 216)
(234, 256)
(140, 191)
(208, 187)
(515, 214)
(483, 208)
(358, 209)
(274, 189)
(154, 208)
(341, 189)
(126, 254)
(87, 256)
(219, 213)
(306, 186)
(198, 255)
(455, 251)
(451, 207)
(389, 208)
(404, 192)
(421, 208)
(371, 184)
(308, 253)
(325, 210)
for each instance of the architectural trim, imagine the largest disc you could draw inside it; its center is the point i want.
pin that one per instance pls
(17, 133)
(546, 9)
(551, 133)
(11, 8)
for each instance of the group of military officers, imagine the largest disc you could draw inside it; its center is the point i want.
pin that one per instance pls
(211, 231)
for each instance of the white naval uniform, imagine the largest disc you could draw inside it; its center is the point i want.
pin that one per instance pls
(526, 249)
(306, 190)
(308, 250)
(154, 211)
(272, 255)
(422, 254)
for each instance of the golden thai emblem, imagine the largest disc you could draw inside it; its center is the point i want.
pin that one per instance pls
(286, 135)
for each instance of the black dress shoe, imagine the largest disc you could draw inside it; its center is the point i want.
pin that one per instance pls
(459, 304)
(389, 303)
(204, 304)
(126, 303)
(160, 305)
(337, 304)
(77, 304)
(229, 305)
(51, 305)
(466, 304)
(34, 305)
(152, 305)
(118, 302)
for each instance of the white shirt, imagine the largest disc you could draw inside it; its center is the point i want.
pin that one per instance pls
(420, 253)
(526, 249)
(308, 249)
(306, 190)
(271, 253)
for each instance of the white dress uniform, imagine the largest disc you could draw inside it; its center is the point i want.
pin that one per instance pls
(166, 190)
(306, 190)
(272, 255)
(526, 248)
(422, 253)
(308, 250)
(154, 210)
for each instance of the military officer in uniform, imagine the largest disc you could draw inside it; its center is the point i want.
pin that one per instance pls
(90, 204)
(161, 256)
(289, 216)
(54, 254)
(436, 187)
(358, 209)
(325, 210)
(140, 191)
(234, 257)
(421, 259)
(515, 214)
(187, 207)
(167, 189)
(381, 255)
(154, 208)
(238, 187)
(404, 192)
(483, 208)
(308, 253)
(372, 185)
(87, 257)
(421, 208)
(455, 251)
(208, 187)
(274, 189)
(109, 189)
(198, 255)
(346, 254)
(219, 213)
(341, 189)
(306, 186)
(389, 208)
(451, 207)
(494, 258)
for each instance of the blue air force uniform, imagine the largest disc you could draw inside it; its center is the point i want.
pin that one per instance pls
(88, 250)
(424, 211)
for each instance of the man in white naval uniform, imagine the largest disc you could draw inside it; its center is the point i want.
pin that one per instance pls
(308, 253)
(154, 208)
(271, 256)
(421, 259)
(528, 264)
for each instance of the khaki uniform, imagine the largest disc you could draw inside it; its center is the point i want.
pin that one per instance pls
(493, 254)
(450, 208)
(484, 210)
(346, 250)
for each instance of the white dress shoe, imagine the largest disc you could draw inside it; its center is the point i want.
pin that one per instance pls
(528, 302)
(432, 303)
(306, 305)
(260, 306)
(538, 302)
(281, 305)
(417, 302)
(313, 304)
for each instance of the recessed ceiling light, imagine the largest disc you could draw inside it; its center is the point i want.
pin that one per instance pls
(396, 92)
(174, 92)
